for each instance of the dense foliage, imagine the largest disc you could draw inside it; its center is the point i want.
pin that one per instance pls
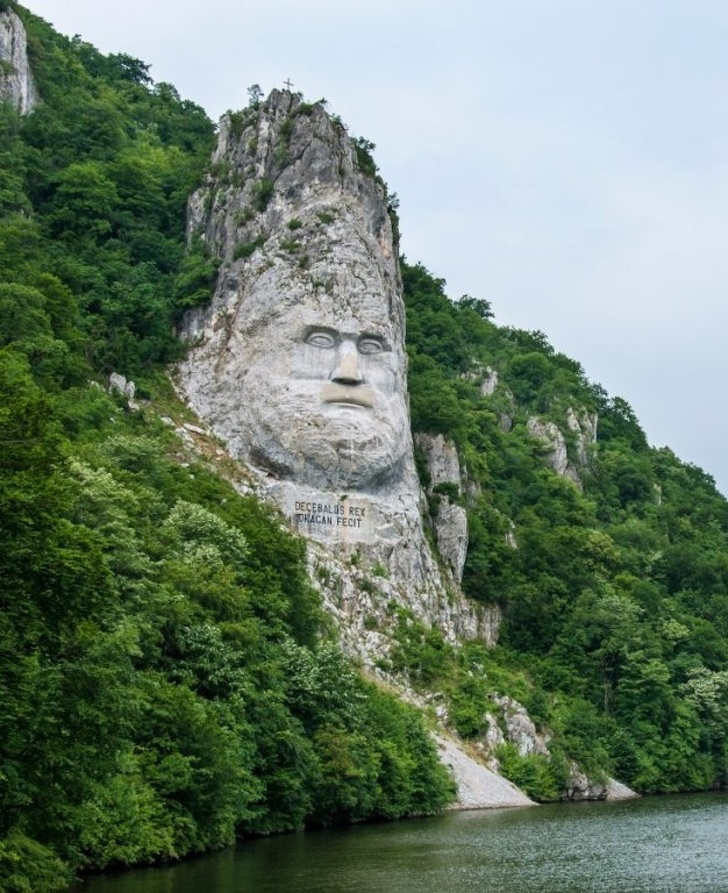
(167, 681)
(614, 589)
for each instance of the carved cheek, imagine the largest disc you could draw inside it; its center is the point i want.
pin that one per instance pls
(380, 374)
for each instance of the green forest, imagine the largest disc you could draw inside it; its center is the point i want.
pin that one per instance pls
(168, 681)
(614, 594)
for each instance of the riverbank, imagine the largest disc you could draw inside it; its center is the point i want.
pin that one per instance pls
(644, 845)
(480, 788)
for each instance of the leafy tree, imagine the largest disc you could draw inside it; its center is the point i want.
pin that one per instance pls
(166, 675)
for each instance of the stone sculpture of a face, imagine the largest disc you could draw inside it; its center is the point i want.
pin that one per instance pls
(316, 382)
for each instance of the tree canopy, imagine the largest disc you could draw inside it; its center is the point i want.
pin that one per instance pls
(167, 678)
(613, 588)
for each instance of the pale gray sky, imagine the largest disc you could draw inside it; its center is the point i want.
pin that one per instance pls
(565, 159)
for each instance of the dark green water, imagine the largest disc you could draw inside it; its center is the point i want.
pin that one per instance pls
(673, 844)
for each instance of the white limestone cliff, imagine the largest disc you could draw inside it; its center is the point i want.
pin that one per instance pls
(298, 365)
(17, 85)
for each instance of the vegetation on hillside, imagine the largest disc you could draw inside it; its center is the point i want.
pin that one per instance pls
(614, 594)
(167, 680)
(168, 683)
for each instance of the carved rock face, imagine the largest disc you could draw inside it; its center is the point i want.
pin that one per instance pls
(314, 389)
(301, 366)
(298, 363)
(329, 411)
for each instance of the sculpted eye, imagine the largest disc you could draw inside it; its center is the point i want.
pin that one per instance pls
(320, 339)
(370, 345)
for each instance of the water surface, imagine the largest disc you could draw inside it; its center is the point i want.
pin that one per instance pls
(676, 844)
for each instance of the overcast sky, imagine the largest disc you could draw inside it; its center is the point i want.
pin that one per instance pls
(565, 159)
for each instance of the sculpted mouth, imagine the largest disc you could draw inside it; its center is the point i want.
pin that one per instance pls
(347, 395)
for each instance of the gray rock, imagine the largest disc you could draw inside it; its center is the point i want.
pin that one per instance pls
(441, 457)
(298, 364)
(450, 520)
(118, 384)
(581, 787)
(493, 737)
(451, 532)
(549, 434)
(520, 729)
(583, 428)
(17, 85)
(195, 429)
(490, 382)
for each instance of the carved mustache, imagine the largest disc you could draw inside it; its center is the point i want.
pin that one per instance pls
(356, 395)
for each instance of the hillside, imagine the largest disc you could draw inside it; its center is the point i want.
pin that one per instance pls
(607, 557)
(169, 680)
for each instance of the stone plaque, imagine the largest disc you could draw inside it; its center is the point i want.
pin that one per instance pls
(325, 516)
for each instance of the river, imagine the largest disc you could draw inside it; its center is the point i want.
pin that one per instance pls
(676, 844)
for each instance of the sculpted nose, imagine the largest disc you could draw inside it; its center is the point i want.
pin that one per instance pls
(347, 366)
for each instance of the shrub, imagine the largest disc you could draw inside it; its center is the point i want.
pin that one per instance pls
(262, 193)
(245, 249)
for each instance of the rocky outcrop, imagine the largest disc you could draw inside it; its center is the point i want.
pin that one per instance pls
(489, 383)
(451, 532)
(16, 78)
(445, 488)
(519, 728)
(554, 442)
(298, 365)
(583, 433)
(515, 726)
(363, 591)
(580, 787)
(118, 384)
(584, 430)
(441, 456)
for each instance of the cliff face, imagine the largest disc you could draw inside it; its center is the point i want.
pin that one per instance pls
(449, 518)
(16, 79)
(299, 366)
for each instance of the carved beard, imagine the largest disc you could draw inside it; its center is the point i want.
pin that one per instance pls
(325, 445)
